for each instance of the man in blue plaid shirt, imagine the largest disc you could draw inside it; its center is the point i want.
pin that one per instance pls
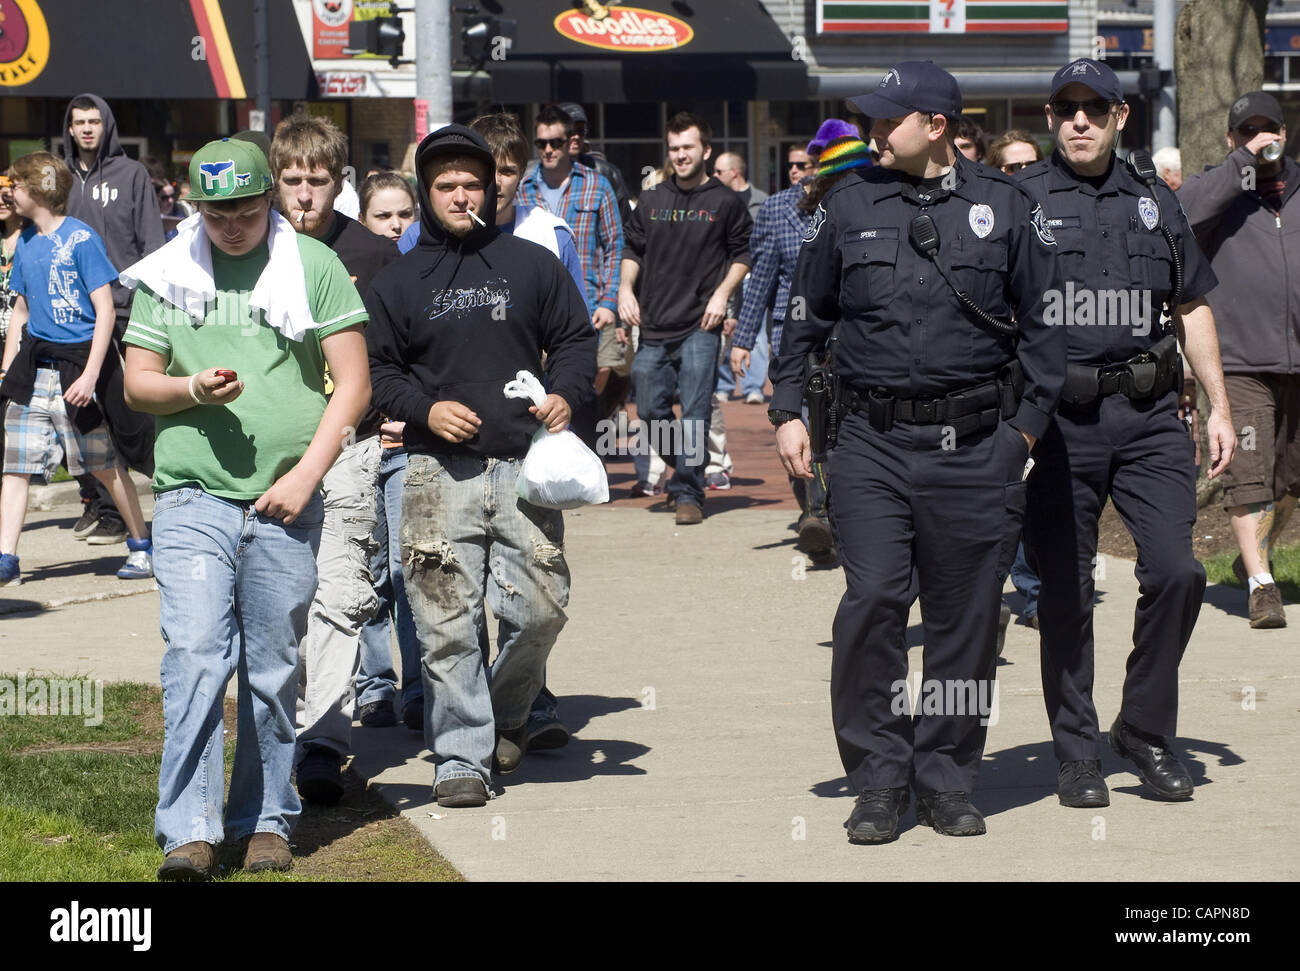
(778, 234)
(585, 200)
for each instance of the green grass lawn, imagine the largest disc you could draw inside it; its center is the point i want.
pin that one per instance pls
(1286, 571)
(77, 803)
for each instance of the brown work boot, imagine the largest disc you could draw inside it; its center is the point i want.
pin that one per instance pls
(688, 514)
(1266, 607)
(267, 851)
(191, 862)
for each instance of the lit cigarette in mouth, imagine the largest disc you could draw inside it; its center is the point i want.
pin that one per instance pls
(302, 214)
(474, 216)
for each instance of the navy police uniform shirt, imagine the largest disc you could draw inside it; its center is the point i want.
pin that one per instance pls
(1114, 261)
(898, 325)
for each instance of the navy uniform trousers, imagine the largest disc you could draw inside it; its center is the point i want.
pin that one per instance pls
(1139, 454)
(904, 502)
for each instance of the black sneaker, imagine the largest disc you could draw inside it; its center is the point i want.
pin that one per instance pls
(377, 714)
(88, 521)
(107, 532)
(875, 815)
(318, 776)
(413, 716)
(546, 731)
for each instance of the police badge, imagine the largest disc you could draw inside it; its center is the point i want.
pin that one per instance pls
(1149, 212)
(981, 220)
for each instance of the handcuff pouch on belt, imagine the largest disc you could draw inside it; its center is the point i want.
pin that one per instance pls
(1146, 375)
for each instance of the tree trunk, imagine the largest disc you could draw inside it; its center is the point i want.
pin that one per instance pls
(1218, 56)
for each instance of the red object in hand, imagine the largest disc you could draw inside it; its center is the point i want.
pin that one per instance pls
(227, 376)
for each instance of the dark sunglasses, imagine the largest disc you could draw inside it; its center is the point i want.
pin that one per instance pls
(1093, 108)
(1250, 131)
(543, 143)
(801, 166)
(1012, 167)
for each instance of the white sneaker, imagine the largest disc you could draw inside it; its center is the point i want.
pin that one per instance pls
(755, 398)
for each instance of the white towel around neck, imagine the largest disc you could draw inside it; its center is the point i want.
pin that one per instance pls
(180, 273)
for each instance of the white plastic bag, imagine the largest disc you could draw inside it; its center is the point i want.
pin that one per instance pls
(559, 471)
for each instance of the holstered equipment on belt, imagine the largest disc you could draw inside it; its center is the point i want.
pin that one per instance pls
(1144, 376)
(966, 410)
(819, 394)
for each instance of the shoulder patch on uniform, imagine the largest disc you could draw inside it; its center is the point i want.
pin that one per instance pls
(815, 226)
(1039, 222)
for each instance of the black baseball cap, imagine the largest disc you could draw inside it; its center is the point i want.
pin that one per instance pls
(1093, 74)
(1252, 104)
(912, 86)
(574, 111)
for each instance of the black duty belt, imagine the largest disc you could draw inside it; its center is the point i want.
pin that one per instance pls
(1147, 375)
(965, 410)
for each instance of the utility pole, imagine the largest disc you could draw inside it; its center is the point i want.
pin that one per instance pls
(1165, 131)
(262, 57)
(432, 66)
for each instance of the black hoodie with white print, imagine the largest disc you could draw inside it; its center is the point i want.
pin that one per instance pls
(115, 198)
(456, 317)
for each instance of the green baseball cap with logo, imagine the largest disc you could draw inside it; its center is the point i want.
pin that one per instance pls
(228, 168)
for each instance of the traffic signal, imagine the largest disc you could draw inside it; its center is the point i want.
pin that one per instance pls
(479, 35)
(382, 35)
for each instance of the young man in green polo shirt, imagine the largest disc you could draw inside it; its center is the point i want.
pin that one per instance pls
(231, 328)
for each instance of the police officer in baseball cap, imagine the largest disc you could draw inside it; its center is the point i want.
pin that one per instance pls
(916, 268)
(1125, 251)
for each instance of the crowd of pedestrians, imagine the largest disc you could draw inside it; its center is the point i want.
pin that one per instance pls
(312, 374)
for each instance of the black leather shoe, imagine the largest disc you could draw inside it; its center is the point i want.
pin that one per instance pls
(1158, 767)
(875, 815)
(950, 813)
(1080, 785)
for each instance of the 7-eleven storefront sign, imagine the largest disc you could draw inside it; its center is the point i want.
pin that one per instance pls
(943, 16)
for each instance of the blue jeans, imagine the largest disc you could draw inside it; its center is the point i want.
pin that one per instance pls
(688, 365)
(234, 591)
(755, 376)
(466, 536)
(376, 679)
(1026, 582)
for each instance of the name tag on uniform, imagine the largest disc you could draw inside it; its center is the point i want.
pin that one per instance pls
(884, 232)
(1063, 222)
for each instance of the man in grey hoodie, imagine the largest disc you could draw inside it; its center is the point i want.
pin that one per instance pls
(113, 194)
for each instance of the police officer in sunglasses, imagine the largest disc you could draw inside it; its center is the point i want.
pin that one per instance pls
(1126, 252)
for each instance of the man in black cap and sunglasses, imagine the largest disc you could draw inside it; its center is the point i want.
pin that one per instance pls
(1242, 213)
(1125, 252)
(914, 268)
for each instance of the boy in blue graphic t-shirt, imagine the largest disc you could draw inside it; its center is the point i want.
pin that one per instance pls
(59, 335)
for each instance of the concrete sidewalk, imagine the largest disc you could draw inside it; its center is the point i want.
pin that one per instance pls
(694, 671)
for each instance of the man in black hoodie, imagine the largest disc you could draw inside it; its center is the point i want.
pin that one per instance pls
(451, 323)
(112, 194)
(687, 243)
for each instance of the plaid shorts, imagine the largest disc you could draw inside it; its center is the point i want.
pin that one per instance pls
(38, 435)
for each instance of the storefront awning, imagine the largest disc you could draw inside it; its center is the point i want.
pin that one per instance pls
(655, 50)
(150, 49)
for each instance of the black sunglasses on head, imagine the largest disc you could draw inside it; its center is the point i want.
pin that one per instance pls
(1250, 131)
(1093, 108)
(543, 143)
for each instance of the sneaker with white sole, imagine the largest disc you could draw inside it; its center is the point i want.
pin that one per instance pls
(106, 533)
(88, 521)
(9, 575)
(717, 480)
(139, 560)
(755, 398)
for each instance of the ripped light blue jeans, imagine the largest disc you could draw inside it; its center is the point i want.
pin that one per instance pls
(467, 537)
